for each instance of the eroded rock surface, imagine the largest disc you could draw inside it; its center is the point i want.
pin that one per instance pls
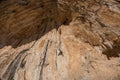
(59, 40)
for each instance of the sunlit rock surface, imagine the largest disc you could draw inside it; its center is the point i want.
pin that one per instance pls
(59, 39)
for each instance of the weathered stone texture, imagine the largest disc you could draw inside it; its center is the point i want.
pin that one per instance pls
(59, 39)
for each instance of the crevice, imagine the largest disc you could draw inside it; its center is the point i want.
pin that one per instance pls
(56, 61)
(13, 66)
(59, 44)
(23, 62)
(66, 21)
(24, 75)
(43, 60)
(10, 72)
(114, 51)
(58, 50)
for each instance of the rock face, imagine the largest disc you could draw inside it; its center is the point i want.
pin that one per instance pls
(59, 39)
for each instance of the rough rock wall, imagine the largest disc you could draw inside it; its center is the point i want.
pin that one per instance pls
(59, 40)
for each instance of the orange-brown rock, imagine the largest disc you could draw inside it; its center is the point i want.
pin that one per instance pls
(59, 39)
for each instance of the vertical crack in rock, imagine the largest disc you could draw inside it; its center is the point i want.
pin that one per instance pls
(56, 61)
(13, 66)
(94, 25)
(44, 59)
(59, 51)
(10, 72)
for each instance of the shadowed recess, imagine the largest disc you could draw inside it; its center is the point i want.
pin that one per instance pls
(23, 21)
(113, 52)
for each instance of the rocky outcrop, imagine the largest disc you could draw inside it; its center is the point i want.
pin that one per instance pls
(59, 40)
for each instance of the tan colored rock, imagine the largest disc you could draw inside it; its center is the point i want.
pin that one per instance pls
(59, 40)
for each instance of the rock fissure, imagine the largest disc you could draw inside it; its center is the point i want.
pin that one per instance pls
(13, 66)
(79, 39)
(44, 59)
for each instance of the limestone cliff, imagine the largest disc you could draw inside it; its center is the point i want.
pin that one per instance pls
(59, 39)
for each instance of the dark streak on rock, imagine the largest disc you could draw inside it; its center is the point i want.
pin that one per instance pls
(114, 52)
(60, 53)
(10, 72)
(117, 1)
(43, 60)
